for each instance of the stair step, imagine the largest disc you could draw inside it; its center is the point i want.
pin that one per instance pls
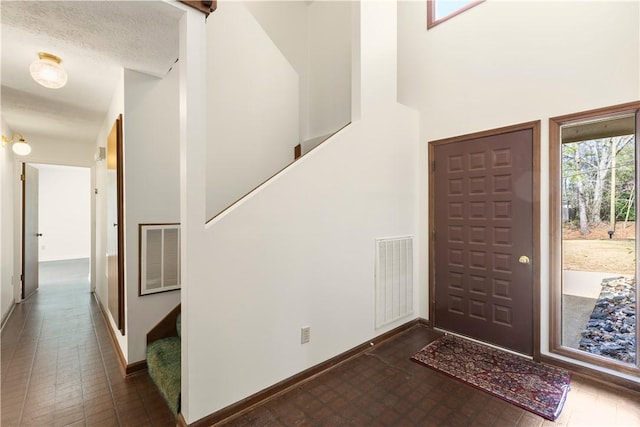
(163, 363)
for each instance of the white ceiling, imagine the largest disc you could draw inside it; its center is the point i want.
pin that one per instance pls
(96, 40)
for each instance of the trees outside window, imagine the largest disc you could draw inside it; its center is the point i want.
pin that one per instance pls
(598, 181)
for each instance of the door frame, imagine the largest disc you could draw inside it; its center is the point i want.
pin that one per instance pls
(24, 257)
(555, 240)
(534, 126)
(118, 146)
(19, 198)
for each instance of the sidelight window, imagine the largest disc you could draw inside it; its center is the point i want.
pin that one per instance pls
(594, 245)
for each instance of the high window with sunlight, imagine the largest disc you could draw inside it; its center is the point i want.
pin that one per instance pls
(441, 10)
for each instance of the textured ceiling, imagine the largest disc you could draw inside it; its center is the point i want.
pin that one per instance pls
(96, 40)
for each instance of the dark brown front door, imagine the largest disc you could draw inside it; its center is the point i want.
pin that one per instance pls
(30, 233)
(483, 240)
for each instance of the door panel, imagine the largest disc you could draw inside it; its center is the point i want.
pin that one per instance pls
(115, 226)
(30, 231)
(483, 193)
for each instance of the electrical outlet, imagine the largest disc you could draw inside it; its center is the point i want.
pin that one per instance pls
(305, 334)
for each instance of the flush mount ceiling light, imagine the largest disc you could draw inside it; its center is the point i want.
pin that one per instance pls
(48, 72)
(20, 146)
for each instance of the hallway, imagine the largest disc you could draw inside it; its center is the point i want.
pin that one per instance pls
(59, 366)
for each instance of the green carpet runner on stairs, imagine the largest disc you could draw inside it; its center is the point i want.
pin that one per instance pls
(163, 363)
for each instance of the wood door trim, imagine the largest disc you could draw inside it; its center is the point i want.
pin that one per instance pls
(121, 224)
(23, 177)
(534, 126)
(613, 110)
(555, 240)
(591, 373)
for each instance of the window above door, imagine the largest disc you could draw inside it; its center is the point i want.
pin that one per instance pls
(439, 11)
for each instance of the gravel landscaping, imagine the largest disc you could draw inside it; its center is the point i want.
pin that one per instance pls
(611, 329)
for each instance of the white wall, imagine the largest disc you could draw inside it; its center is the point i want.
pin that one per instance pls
(252, 94)
(100, 280)
(300, 251)
(59, 152)
(252, 124)
(503, 63)
(150, 108)
(193, 145)
(329, 35)
(64, 206)
(7, 226)
(152, 189)
(322, 58)
(286, 23)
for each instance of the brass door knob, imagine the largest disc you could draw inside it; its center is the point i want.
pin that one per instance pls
(524, 260)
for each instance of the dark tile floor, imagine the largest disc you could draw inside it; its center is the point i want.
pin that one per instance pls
(58, 363)
(59, 368)
(384, 388)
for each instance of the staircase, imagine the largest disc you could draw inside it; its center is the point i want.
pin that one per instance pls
(163, 358)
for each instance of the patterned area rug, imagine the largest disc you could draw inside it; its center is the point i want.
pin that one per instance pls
(538, 388)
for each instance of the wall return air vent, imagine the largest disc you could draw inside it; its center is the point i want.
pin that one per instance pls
(394, 279)
(159, 258)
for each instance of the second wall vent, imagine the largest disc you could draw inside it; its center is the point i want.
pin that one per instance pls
(159, 258)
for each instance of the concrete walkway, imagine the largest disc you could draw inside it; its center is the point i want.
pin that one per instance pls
(584, 283)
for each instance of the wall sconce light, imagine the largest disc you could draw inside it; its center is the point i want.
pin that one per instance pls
(48, 72)
(20, 146)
